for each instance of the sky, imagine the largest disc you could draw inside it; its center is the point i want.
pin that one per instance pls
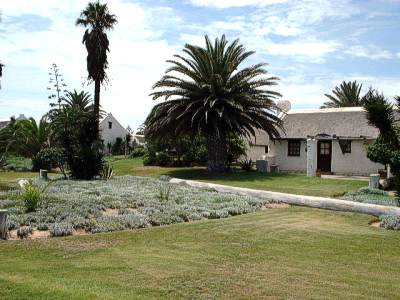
(311, 45)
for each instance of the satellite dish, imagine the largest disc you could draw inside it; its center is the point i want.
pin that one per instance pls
(284, 106)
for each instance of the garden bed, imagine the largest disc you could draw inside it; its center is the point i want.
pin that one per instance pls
(75, 207)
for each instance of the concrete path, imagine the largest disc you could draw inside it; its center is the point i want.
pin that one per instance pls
(309, 201)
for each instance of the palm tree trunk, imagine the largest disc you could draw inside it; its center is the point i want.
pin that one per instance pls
(217, 153)
(97, 101)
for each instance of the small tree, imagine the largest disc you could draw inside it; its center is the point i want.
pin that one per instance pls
(382, 114)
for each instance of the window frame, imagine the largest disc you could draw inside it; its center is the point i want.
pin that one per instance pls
(294, 148)
(345, 146)
(110, 125)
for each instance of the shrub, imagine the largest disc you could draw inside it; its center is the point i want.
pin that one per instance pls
(61, 229)
(390, 222)
(106, 172)
(31, 195)
(48, 159)
(149, 159)
(24, 232)
(163, 159)
(372, 196)
(246, 164)
(138, 152)
(133, 221)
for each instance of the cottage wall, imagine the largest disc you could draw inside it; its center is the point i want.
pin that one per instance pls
(279, 150)
(354, 163)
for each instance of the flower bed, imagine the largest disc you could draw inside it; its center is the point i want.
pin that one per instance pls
(121, 203)
(371, 196)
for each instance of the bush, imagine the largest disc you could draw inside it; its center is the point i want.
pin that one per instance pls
(48, 159)
(390, 222)
(17, 163)
(138, 152)
(163, 159)
(149, 159)
(372, 196)
(61, 229)
(31, 195)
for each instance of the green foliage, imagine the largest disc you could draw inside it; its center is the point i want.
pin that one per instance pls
(118, 147)
(16, 163)
(75, 128)
(139, 202)
(107, 172)
(372, 196)
(381, 113)
(49, 158)
(345, 95)
(213, 97)
(138, 152)
(163, 159)
(32, 195)
(390, 222)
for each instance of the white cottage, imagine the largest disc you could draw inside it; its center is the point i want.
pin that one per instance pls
(332, 140)
(111, 129)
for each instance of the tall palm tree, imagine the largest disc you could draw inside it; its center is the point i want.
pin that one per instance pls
(205, 93)
(96, 18)
(345, 95)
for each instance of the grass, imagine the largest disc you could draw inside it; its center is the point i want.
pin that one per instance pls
(287, 183)
(293, 253)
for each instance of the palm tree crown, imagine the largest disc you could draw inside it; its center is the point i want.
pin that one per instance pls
(97, 19)
(345, 95)
(205, 93)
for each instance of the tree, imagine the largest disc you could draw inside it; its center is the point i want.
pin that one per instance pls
(96, 19)
(206, 94)
(74, 127)
(345, 95)
(382, 114)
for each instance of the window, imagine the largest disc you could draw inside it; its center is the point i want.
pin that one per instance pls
(294, 147)
(325, 148)
(345, 146)
(266, 149)
(109, 125)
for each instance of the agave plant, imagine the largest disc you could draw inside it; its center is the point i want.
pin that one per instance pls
(345, 95)
(206, 93)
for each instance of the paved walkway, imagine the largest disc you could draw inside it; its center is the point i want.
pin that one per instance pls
(309, 201)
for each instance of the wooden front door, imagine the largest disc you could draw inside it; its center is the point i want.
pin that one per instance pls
(324, 156)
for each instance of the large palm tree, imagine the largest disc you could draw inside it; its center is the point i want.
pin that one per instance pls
(206, 94)
(345, 95)
(79, 100)
(97, 19)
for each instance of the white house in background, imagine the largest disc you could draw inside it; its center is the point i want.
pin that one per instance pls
(111, 129)
(332, 140)
(4, 123)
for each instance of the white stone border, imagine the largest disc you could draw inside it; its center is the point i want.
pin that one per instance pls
(309, 201)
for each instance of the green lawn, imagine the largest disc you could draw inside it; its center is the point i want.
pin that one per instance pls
(287, 183)
(292, 253)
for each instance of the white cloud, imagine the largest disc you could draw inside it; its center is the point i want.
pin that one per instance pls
(234, 3)
(136, 61)
(370, 52)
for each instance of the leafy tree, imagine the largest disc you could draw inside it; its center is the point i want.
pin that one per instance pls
(96, 18)
(117, 146)
(345, 95)
(74, 126)
(382, 114)
(205, 93)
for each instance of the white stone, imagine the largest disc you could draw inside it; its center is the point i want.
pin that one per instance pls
(374, 181)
